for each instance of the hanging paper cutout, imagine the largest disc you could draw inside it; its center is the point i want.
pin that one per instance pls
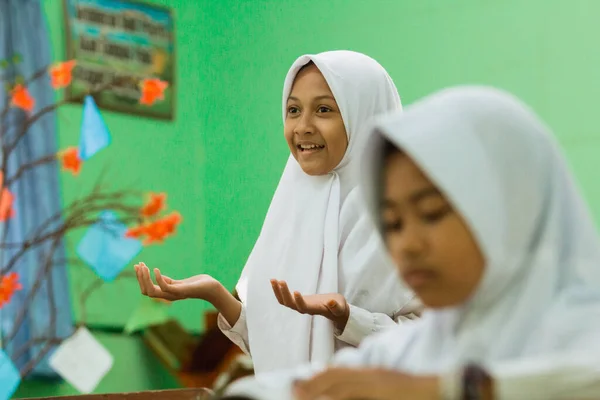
(106, 249)
(94, 133)
(9, 377)
(82, 361)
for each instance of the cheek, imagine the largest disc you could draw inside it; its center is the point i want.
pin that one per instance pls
(337, 143)
(457, 254)
(288, 134)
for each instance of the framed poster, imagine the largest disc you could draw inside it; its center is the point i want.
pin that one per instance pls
(117, 44)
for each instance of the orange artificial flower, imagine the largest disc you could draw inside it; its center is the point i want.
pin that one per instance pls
(21, 98)
(6, 202)
(152, 90)
(61, 74)
(136, 232)
(156, 231)
(155, 204)
(70, 160)
(9, 284)
(7, 210)
(171, 221)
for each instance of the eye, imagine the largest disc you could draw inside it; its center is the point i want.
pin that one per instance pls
(323, 109)
(293, 110)
(435, 216)
(392, 225)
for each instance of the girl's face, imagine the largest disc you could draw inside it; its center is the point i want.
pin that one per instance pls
(431, 245)
(314, 129)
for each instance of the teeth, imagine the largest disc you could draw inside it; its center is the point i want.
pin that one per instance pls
(310, 146)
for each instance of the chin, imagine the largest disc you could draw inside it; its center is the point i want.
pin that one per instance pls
(437, 301)
(313, 170)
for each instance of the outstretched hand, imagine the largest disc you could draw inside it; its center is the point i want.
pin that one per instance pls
(332, 305)
(202, 287)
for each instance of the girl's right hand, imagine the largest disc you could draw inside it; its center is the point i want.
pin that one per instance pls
(202, 287)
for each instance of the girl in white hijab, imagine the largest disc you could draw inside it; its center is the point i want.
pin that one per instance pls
(317, 237)
(485, 224)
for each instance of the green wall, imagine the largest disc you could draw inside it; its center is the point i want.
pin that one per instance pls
(221, 158)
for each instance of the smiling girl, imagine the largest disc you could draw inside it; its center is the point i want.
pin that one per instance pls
(316, 237)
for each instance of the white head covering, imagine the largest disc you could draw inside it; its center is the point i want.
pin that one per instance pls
(308, 222)
(501, 169)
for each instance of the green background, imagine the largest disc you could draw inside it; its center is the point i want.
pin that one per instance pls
(220, 159)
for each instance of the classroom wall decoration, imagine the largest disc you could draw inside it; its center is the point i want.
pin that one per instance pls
(123, 42)
(117, 224)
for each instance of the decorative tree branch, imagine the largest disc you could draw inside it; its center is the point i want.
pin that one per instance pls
(51, 234)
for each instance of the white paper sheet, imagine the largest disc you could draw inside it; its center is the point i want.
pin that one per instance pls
(82, 361)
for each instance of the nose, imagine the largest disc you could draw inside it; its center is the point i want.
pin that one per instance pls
(304, 125)
(407, 245)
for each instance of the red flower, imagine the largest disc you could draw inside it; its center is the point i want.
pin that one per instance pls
(9, 284)
(152, 90)
(156, 231)
(6, 202)
(6, 205)
(21, 98)
(70, 160)
(155, 204)
(61, 74)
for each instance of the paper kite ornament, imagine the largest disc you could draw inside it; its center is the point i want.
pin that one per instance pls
(106, 249)
(94, 133)
(9, 377)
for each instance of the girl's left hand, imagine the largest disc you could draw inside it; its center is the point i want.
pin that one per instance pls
(367, 384)
(332, 306)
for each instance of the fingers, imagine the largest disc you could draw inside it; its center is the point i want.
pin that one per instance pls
(285, 298)
(336, 308)
(288, 299)
(277, 291)
(147, 287)
(138, 275)
(165, 283)
(301, 305)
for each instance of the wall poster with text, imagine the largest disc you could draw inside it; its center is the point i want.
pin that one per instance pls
(117, 44)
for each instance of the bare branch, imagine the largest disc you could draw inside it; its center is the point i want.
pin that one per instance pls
(30, 165)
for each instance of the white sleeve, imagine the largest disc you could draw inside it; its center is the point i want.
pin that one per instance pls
(238, 333)
(557, 377)
(548, 377)
(362, 323)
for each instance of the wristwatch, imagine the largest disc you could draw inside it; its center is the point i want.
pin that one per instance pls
(477, 384)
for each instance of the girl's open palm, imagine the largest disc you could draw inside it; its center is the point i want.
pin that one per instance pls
(201, 286)
(332, 306)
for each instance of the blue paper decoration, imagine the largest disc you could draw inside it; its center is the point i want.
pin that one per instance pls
(105, 248)
(94, 133)
(9, 377)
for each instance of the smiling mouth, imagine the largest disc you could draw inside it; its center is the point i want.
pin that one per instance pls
(309, 148)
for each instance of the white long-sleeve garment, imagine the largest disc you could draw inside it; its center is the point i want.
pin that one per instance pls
(361, 324)
(534, 320)
(316, 235)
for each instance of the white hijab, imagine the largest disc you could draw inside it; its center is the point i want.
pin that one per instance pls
(309, 220)
(500, 167)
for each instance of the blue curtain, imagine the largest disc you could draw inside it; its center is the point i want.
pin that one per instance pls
(23, 31)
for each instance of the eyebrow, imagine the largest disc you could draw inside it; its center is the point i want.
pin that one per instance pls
(423, 193)
(322, 97)
(414, 198)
